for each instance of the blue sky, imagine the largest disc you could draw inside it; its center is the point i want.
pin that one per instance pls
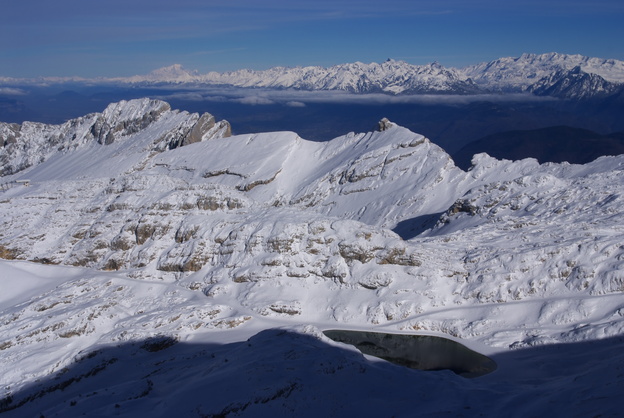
(126, 37)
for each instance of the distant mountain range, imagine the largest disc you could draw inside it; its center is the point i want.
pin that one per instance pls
(557, 75)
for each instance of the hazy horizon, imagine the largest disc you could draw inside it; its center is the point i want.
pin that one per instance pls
(120, 39)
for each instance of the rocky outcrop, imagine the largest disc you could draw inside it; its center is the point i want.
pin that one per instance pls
(384, 124)
(204, 127)
(126, 118)
(32, 143)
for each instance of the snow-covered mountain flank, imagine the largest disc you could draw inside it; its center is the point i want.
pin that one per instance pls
(524, 71)
(148, 243)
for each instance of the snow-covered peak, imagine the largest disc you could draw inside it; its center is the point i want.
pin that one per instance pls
(524, 71)
(574, 84)
(126, 111)
(172, 74)
(144, 124)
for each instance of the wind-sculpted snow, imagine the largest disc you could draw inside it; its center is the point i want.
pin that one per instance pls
(219, 239)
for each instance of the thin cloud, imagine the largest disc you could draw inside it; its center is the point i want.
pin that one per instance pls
(189, 96)
(11, 91)
(300, 98)
(255, 100)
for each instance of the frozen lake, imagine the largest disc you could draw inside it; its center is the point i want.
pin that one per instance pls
(420, 352)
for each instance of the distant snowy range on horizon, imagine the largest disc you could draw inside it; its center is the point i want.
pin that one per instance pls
(155, 262)
(457, 108)
(552, 75)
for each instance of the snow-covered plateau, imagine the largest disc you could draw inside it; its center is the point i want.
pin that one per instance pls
(153, 264)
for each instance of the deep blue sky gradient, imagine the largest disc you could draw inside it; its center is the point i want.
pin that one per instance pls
(111, 38)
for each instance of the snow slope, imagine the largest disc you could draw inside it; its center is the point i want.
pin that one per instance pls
(170, 257)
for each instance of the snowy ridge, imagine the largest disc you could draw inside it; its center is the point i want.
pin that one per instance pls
(527, 73)
(219, 240)
(524, 71)
(32, 143)
(575, 84)
(389, 77)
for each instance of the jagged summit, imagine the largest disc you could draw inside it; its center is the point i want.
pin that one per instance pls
(149, 122)
(384, 124)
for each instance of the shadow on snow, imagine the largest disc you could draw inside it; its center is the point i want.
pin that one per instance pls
(285, 373)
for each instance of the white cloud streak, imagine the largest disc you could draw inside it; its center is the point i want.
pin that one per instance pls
(255, 100)
(294, 103)
(11, 91)
(299, 98)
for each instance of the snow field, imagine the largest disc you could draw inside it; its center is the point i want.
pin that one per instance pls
(212, 243)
